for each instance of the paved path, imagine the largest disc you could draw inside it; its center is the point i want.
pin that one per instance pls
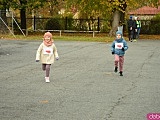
(83, 85)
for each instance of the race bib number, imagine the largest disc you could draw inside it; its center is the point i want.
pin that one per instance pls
(47, 51)
(118, 45)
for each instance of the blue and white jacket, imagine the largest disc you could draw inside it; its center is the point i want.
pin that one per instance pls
(117, 46)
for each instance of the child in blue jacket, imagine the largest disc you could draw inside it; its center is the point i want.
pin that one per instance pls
(118, 48)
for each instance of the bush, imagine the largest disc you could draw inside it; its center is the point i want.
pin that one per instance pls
(53, 24)
(155, 25)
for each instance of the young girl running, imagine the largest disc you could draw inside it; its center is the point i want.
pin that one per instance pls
(46, 53)
(118, 48)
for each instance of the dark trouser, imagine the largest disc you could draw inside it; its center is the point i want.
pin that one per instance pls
(130, 34)
(46, 67)
(135, 35)
(138, 32)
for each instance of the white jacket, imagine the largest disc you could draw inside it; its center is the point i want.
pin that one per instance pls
(47, 54)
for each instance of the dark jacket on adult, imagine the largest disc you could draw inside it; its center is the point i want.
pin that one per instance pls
(132, 23)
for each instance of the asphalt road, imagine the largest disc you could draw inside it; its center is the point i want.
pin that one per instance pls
(83, 85)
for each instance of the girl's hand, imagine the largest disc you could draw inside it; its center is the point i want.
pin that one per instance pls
(57, 58)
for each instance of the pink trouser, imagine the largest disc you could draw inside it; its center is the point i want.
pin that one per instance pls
(46, 67)
(120, 60)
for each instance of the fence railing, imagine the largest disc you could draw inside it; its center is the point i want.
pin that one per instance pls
(66, 31)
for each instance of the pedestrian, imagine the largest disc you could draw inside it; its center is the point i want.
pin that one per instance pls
(135, 29)
(138, 23)
(131, 28)
(46, 53)
(118, 48)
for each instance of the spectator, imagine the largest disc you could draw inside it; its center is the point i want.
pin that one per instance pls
(138, 23)
(130, 24)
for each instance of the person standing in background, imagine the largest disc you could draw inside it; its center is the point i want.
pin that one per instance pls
(138, 23)
(134, 29)
(130, 24)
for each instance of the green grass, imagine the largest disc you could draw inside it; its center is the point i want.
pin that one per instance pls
(84, 38)
(100, 37)
(60, 38)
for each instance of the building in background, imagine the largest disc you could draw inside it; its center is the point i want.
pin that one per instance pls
(145, 12)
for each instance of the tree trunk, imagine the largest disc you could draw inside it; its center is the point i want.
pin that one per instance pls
(23, 13)
(23, 18)
(115, 23)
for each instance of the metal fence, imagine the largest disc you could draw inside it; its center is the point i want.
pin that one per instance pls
(65, 24)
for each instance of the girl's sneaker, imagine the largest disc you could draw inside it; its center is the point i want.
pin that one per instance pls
(47, 79)
(115, 69)
(121, 73)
